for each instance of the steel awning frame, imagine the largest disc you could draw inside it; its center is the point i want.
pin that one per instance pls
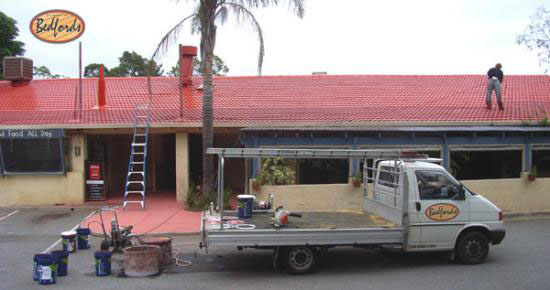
(313, 153)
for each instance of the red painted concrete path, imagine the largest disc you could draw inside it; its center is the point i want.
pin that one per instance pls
(161, 215)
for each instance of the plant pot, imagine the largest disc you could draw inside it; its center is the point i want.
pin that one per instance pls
(531, 177)
(255, 186)
(356, 183)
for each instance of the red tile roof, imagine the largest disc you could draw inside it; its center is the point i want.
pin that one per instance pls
(281, 100)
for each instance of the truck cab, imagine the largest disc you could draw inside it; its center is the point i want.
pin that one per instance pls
(443, 215)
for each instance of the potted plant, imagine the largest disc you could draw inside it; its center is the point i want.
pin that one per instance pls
(255, 184)
(357, 180)
(532, 175)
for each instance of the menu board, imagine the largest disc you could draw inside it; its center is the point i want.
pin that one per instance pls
(95, 183)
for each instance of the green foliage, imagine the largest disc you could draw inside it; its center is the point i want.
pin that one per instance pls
(200, 201)
(8, 45)
(43, 72)
(131, 64)
(277, 171)
(192, 199)
(533, 171)
(218, 67)
(92, 70)
(358, 178)
(544, 121)
(536, 36)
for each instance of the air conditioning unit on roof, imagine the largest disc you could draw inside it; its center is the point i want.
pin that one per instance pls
(17, 68)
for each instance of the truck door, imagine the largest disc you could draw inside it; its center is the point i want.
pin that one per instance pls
(442, 209)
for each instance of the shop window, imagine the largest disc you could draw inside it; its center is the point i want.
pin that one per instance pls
(323, 171)
(20, 156)
(467, 165)
(541, 159)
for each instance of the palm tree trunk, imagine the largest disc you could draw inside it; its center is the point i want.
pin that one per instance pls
(208, 42)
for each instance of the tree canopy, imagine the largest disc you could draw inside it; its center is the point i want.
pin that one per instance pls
(8, 45)
(218, 67)
(536, 36)
(42, 72)
(131, 64)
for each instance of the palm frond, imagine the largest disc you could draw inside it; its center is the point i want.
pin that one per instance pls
(296, 6)
(242, 13)
(169, 38)
(221, 14)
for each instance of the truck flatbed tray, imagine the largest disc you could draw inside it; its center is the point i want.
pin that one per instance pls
(313, 228)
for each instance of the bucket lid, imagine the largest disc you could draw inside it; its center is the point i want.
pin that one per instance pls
(61, 253)
(102, 254)
(246, 196)
(83, 231)
(68, 234)
(47, 259)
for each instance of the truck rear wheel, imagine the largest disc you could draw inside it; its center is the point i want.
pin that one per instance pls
(299, 260)
(472, 248)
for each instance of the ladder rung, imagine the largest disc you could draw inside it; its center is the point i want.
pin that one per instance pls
(138, 153)
(138, 162)
(139, 144)
(141, 135)
(134, 191)
(136, 172)
(135, 181)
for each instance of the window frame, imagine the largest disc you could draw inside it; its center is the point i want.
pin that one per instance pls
(57, 134)
(443, 173)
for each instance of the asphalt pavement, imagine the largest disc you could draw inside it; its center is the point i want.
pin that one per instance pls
(522, 261)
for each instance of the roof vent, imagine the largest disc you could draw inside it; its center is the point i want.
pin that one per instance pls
(17, 68)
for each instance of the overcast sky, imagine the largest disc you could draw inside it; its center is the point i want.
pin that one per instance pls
(338, 37)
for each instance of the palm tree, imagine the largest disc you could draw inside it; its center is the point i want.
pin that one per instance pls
(203, 20)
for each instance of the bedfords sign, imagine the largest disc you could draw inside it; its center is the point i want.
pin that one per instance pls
(57, 26)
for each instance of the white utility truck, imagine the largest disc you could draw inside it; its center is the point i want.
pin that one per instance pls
(413, 205)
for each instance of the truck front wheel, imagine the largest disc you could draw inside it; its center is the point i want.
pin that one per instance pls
(472, 248)
(299, 260)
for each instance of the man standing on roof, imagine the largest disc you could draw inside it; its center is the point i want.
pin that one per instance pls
(495, 76)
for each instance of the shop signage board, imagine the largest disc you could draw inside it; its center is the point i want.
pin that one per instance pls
(95, 185)
(57, 26)
(32, 134)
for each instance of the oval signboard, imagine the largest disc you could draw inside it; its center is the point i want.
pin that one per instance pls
(442, 212)
(57, 26)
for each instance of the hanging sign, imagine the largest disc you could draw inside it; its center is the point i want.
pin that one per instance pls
(32, 133)
(57, 26)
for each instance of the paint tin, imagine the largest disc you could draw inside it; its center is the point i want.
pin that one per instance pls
(69, 241)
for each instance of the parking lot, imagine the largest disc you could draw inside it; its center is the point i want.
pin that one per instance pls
(521, 262)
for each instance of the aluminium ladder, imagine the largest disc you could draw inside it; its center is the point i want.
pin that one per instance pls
(137, 164)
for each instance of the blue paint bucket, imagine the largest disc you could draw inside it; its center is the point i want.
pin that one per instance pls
(46, 269)
(69, 241)
(245, 205)
(102, 263)
(62, 262)
(82, 239)
(35, 265)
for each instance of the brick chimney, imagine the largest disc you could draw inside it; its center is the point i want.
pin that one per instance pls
(187, 53)
(101, 89)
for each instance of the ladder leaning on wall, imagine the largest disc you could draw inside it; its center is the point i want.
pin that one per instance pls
(137, 164)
